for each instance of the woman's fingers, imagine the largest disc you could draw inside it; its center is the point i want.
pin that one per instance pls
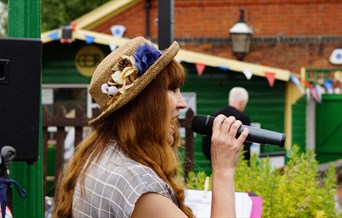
(226, 147)
(241, 139)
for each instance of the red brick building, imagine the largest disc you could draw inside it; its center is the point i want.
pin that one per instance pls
(288, 34)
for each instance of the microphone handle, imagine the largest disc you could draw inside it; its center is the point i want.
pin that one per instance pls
(203, 124)
(262, 136)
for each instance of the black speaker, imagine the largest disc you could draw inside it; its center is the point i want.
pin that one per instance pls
(20, 85)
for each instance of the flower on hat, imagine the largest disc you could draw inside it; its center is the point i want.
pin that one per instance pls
(129, 68)
(145, 56)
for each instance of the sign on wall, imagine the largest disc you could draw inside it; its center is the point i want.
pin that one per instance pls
(87, 59)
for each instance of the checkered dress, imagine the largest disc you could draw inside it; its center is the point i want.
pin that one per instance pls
(113, 185)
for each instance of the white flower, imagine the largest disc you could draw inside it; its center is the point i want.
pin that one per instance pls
(104, 88)
(110, 90)
(117, 77)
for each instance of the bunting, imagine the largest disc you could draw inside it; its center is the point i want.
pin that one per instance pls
(328, 84)
(297, 83)
(270, 76)
(319, 90)
(54, 35)
(223, 67)
(178, 59)
(112, 46)
(118, 30)
(312, 90)
(248, 73)
(74, 25)
(89, 39)
(314, 94)
(200, 68)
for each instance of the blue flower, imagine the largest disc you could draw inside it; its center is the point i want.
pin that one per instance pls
(145, 56)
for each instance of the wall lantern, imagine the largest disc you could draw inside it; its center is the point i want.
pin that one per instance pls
(241, 35)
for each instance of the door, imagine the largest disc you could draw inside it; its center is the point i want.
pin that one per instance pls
(329, 128)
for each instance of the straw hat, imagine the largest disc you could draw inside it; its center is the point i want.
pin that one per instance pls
(123, 74)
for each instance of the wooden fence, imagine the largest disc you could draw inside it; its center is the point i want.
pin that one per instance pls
(60, 121)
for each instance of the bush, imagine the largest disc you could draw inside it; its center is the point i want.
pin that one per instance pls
(295, 191)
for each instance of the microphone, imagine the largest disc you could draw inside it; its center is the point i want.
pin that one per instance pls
(203, 125)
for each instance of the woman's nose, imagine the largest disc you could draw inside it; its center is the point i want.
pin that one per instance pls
(181, 102)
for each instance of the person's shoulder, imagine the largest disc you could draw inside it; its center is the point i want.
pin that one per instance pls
(245, 119)
(126, 167)
(130, 166)
(224, 110)
(227, 111)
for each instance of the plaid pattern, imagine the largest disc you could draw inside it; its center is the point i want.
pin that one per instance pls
(113, 184)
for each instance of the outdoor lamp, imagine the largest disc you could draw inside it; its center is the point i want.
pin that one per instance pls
(241, 35)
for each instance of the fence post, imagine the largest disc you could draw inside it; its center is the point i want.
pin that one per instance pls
(79, 128)
(46, 118)
(189, 143)
(60, 141)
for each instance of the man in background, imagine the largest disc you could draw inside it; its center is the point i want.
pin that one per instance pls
(237, 102)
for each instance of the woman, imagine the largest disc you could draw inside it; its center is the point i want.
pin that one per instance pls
(127, 167)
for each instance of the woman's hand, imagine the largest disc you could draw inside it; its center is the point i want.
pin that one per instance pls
(225, 148)
(225, 153)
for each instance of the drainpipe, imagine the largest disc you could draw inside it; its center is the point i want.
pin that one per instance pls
(147, 18)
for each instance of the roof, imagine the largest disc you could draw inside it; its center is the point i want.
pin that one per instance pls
(112, 8)
(103, 13)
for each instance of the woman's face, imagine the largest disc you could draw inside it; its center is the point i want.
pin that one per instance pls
(175, 102)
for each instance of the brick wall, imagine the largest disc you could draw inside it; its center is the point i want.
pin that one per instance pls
(202, 25)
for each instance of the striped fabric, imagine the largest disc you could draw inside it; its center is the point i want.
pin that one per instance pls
(113, 184)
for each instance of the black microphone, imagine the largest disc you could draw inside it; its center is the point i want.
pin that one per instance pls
(203, 125)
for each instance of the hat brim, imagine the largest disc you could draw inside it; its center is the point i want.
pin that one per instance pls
(140, 83)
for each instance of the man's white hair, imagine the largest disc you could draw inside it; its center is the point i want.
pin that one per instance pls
(237, 94)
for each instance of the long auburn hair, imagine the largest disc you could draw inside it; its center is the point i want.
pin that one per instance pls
(140, 129)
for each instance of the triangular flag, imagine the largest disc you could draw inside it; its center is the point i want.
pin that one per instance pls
(297, 83)
(307, 84)
(319, 90)
(223, 67)
(74, 25)
(112, 46)
(314, 94)
(178, 59)
(89, 39)
(54, 35)
(312, 91)
(248, 73)
(328, 86)
(118, 30)
(270, 78)
(200, 69)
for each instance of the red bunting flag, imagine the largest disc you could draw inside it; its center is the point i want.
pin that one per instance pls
(74, 25)
(312, 91)
(270, 78)
(200, 68)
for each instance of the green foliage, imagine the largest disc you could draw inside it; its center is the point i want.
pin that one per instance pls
(295, 191)
(3, 18)
(196, 181)
(55, 13)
